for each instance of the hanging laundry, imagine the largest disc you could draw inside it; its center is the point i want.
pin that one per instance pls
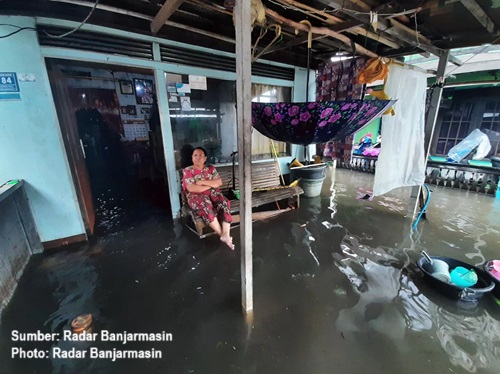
(337, 81)
(376, 69)
(401, 161)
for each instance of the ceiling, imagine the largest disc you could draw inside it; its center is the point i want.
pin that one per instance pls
(403, 27)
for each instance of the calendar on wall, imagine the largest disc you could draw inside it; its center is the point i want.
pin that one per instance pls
(136, 131)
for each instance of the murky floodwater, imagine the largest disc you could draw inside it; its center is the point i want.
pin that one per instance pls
(336, 290)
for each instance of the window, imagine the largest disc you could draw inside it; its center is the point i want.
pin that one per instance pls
(491, 121)
(267, 97)
(202, 117)
(454, 127)
(262, 147)
(208, 118)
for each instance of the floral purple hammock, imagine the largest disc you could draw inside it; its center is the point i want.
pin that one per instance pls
(315, 122)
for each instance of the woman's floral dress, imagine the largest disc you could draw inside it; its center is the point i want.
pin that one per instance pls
(208, 204)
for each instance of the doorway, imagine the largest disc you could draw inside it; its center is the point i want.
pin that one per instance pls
(111, 130)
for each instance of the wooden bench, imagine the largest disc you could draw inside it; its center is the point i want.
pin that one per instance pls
(265, 175)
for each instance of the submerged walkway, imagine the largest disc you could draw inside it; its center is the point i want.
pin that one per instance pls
(336, 290)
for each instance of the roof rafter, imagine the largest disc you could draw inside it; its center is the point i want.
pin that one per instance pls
(339, 24)
(318, 30)
(478, 12)
(292, 43)
(164, 14)
(390, 26)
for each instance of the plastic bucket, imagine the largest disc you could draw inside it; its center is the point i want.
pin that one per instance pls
(311, 187)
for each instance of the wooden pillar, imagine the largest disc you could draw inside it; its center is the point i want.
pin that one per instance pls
(430, 125)
(244, 115)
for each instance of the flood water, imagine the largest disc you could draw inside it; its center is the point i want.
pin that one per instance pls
(336, 290)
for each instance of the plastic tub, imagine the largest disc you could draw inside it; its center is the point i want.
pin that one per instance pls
(311, 187)
(471, 294)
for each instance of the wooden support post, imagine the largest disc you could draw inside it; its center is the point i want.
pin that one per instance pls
(430, 124)
(244, 113)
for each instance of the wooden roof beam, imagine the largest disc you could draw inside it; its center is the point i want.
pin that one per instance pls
(395, 28)
(292, 43)
(478, 12)
(339, 25)
(164, 14)
(318, 30)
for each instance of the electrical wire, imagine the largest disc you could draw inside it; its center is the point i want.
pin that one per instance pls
(325, 10)
(19, 29)
(78, 27)
(414, 226)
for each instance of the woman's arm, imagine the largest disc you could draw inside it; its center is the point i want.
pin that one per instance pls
(197, 187)
(190, 184)
(213, 183)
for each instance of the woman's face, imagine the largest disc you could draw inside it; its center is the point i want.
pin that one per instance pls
(199, 158)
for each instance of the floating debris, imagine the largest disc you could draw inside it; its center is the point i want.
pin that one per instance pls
(82, 323)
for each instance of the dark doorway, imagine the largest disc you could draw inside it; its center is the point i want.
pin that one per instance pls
(118, 137)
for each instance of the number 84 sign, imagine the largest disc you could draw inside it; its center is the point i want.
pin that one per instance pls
(8, 82)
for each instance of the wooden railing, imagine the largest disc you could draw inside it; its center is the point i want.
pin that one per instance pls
(365, 164)
(480, 179)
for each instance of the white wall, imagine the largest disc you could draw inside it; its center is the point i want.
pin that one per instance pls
(31, 146)
(299, 96)
(229, 133)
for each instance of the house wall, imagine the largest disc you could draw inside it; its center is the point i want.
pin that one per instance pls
(299, 95)
(31, 146)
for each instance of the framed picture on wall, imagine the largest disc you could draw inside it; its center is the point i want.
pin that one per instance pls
(131, 110)
(126, 87)
(124, 109)
(143, 91)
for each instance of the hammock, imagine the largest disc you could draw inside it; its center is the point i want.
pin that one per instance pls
(315, 122)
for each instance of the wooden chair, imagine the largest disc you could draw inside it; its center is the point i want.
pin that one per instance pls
(266, 188)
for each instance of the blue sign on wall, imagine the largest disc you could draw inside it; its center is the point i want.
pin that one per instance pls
(8, 82)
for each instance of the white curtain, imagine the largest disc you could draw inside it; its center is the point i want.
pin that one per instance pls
(402, 158)
(261, 145)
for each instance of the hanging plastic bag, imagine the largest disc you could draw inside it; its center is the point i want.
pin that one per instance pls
(476, 139)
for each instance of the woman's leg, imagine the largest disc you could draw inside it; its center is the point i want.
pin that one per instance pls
(215, 225)
(202, 207)
(221, 205)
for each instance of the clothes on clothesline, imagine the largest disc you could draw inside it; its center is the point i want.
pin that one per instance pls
(337, 81)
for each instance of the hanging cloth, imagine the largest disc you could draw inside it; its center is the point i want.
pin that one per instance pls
(401, 161)
(336, 80)
(376, 69)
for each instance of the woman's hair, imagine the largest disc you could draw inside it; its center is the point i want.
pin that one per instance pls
(201, 149)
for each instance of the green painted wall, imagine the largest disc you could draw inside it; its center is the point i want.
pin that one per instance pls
(31, 146)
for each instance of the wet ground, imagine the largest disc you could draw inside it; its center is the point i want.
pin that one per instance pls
(336, 291)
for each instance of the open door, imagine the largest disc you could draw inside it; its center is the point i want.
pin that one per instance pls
(73, 144)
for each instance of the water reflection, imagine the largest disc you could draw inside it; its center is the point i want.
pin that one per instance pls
(471, 342)
(391, 304)
(75, 280)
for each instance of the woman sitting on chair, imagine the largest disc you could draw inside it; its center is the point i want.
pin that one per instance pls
(201, 184)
